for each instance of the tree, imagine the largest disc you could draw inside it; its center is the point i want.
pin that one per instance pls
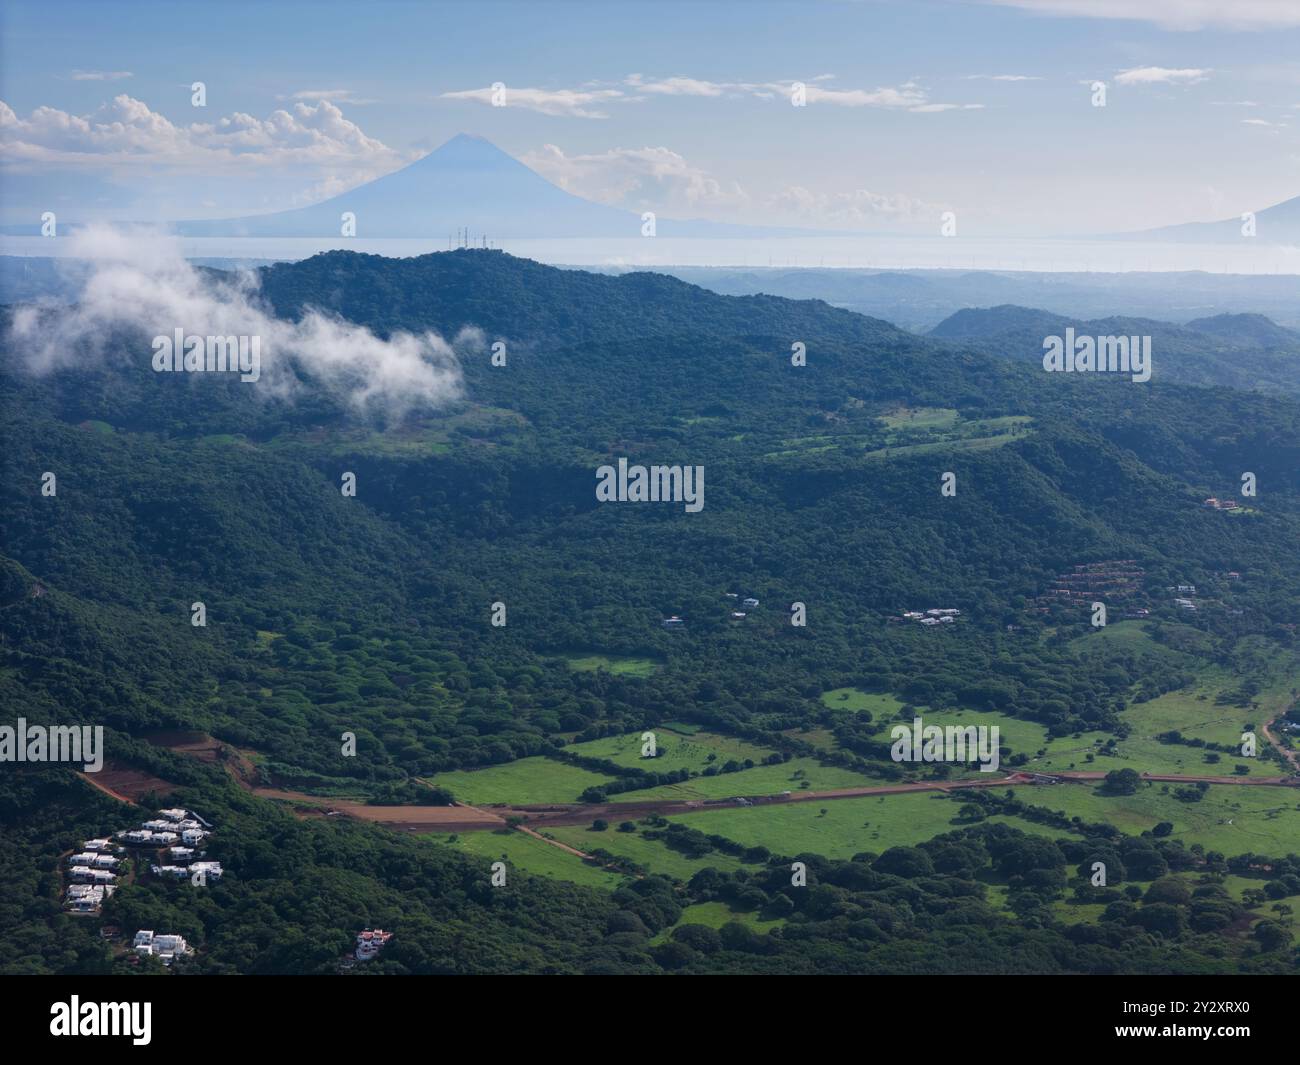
(1272, 936)
(1122, 782)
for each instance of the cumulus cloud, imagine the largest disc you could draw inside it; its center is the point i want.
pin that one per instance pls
(1161, 76)
(138, 287)
(661, 179)
(126, 131)
(635, 177)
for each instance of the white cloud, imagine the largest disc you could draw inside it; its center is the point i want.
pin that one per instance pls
(676, 86)
(658, 178)
(1161, 76)
(336, 96)
(126, 132)
(925, 109)
(101, 75)
(1174, 14)
(663, 180)
(140, 287)
(583, 103)
(573, 103)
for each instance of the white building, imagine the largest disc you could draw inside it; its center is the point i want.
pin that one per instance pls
(97, 845)
(174, 814)
(210, 870)
(166, 947)
(192, 836)
(136, 835)
(85, 898)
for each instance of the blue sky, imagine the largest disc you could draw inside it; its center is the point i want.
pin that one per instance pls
(679, 107)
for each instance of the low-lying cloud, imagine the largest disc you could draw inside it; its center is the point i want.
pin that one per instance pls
(139, 286)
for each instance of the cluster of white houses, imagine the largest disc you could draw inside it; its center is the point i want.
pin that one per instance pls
(200, 872)
(170, 828)
(933, 616)
(749, 604)
(93, 872)
(92, 876)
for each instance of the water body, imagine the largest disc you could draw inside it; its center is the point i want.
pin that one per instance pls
(884, 252)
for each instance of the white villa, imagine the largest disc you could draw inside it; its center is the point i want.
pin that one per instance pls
(166, 947)
(211, 870)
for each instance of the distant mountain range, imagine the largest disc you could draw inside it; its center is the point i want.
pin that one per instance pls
(468, 182)
(1243, 351)
(920, 299)
(1279, 224)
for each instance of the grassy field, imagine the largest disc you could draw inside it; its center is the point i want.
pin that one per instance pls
(761, 780)
(1230, 819)
(625, 665)
(821, 738)
(920, 418)
(653, 855)
(1192, 711)
(1022, 737)
(715, 915)
(525, 854)
(972, 443)
(881, 704)
(529, 780)
(848, 826)
(673, 751)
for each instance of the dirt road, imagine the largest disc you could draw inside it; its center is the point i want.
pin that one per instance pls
(1284, 749)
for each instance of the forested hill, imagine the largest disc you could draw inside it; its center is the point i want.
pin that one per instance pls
(517, 297)
(370, 614)
(1243, 351)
